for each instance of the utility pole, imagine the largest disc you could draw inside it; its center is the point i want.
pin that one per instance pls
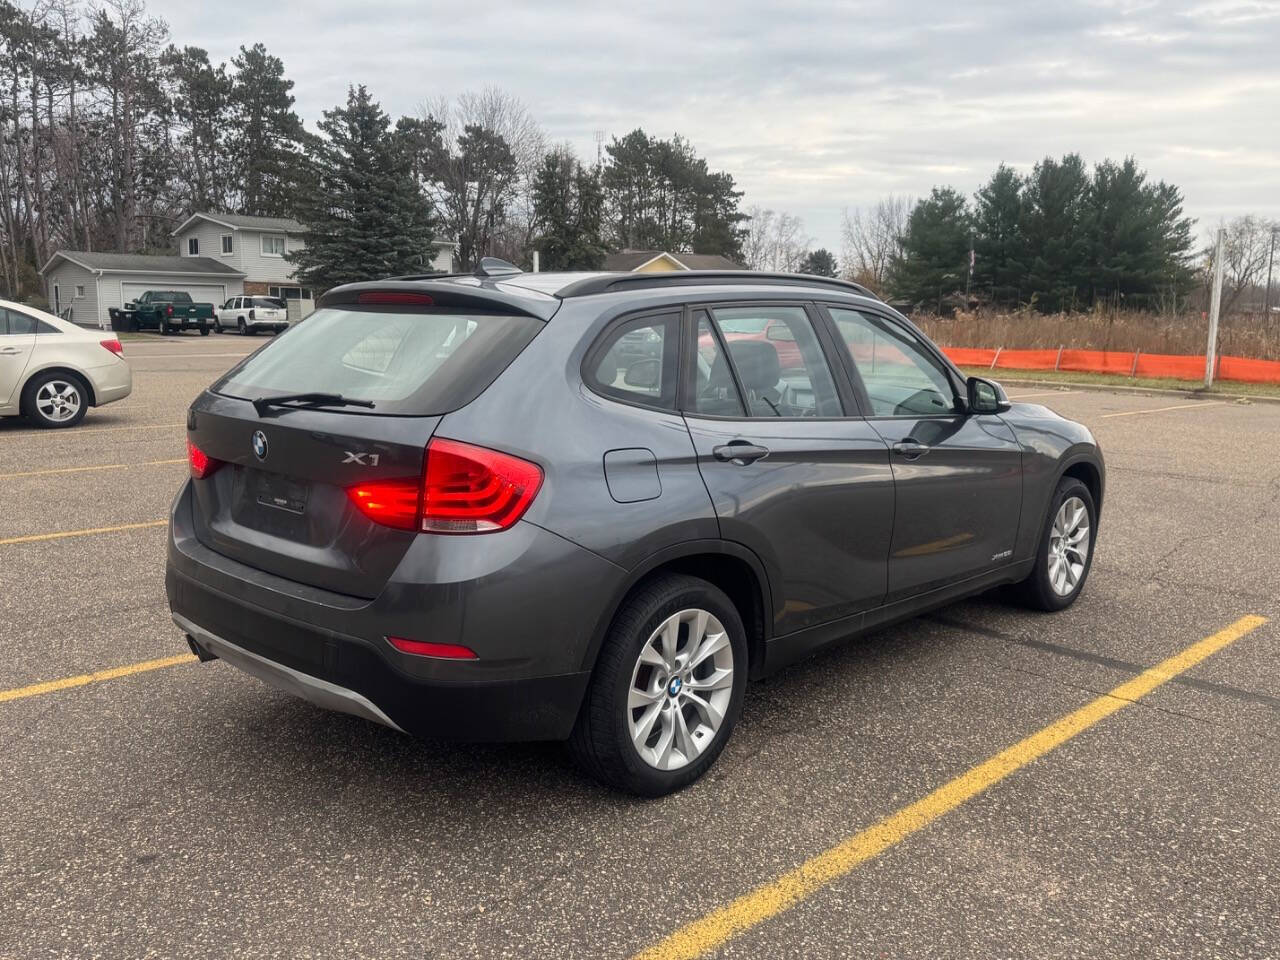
(1271, 256)
(1214, 304)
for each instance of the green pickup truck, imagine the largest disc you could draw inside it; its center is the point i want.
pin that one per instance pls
(168, 311)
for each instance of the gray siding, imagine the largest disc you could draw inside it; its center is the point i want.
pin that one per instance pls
(66, 276)
(210, 237)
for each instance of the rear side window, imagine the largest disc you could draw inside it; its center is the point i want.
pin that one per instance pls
(637, 360)
(405, 363)
(16, 323)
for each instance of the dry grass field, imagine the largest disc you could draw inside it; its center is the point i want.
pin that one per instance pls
(1240, 335)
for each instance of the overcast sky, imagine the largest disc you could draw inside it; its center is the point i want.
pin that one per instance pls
(814, 107)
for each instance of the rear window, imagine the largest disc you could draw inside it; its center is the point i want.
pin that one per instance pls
(407, 364)
(269, 302)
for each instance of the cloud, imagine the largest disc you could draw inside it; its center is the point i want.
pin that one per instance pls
(815, 106)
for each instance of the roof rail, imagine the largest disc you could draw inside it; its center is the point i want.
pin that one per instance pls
(607, 283)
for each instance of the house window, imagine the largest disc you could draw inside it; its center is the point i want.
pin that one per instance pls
(290, 293)
(226, 244)
(193, 246)
(79, 291)
(272, 246)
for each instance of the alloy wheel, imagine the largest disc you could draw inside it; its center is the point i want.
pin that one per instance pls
(680, 689)
(58, 400)
(1068, 546)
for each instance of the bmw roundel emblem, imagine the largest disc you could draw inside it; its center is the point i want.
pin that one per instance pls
(674, 686)
(260, 445)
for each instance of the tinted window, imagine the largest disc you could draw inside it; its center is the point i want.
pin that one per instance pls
(714, 391)
(637, 361)
(17, 323)
(901, 376)
(779, 361)
(43, 327)
(267, 302)
(408, 363)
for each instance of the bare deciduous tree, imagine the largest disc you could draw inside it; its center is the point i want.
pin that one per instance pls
(1246, 249)
(872, 237)
(775, 241)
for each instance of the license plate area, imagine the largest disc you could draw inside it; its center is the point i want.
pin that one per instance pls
(278, 492)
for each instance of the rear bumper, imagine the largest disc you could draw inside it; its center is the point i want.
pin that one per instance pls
(529, 678)
(112, 381)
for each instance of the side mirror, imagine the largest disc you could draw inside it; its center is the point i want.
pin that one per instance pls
(986, 396)
(644, 374)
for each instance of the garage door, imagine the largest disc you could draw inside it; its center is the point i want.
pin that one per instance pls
(215, 293)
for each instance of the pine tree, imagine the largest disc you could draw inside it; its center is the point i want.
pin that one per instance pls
(1055, 211)
(934, 261)
(367, 217)
(1000, 250)
(819, 263)
(268, 137)
(567, 202)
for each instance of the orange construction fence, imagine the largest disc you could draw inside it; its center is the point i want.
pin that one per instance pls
(1241, 369)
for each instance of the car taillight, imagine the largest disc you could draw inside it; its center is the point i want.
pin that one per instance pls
(115, 346)
(169, 310)
(393, 503)
(474, 489)
(464, 489)
(425, 648)
(200, 462)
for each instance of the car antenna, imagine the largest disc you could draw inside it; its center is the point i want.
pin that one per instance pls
(493, 267)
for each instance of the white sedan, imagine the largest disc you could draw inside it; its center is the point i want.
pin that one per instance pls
(52, 371)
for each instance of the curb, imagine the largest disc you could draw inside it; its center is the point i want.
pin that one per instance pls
(1138, 391)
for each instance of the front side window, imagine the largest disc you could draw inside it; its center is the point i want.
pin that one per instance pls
(193, 246)
(637, 361)
(902, 378)
(272, 246)
(779, 361)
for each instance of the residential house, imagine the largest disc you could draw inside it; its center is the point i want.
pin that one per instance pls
(219, 256)
(660, 261)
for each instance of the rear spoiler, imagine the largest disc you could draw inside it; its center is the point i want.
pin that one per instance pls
(466, 294)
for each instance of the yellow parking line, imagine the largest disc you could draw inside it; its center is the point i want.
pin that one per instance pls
(101, 466)
(63, 534)
(66, 683)
(1181, 406)
(716, 928)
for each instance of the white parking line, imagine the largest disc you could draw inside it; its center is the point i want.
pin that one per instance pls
(179, 356)
(1046, 393)
(1180, 406)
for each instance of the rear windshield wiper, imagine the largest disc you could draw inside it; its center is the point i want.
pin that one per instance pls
(263, 404)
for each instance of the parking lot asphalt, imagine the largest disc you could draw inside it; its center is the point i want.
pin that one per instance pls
(176, 809)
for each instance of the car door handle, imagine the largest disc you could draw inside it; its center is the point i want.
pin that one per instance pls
(9, 351)
(910, 449)
(740, 452)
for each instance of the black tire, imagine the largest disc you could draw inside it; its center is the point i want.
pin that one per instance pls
(601, 742)
(1036, 591)
(204, 329)
(217, 327)
(32, 412)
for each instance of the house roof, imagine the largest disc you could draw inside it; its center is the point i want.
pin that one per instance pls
(629, 260)
(237, 221)
(142, 263)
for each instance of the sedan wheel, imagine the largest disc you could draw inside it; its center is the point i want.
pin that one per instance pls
(680, 689)
(56, 401)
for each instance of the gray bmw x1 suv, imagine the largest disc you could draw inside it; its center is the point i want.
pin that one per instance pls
(590, 507)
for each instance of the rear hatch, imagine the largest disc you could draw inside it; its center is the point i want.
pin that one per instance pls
(278, 490)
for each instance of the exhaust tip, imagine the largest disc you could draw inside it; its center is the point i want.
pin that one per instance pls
(204, 655)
